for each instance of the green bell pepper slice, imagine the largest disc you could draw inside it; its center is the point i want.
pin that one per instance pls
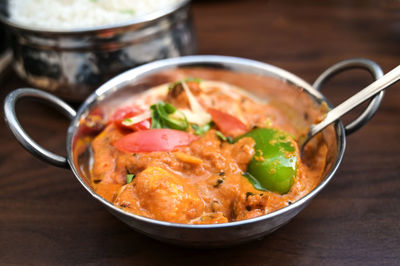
(274, 164)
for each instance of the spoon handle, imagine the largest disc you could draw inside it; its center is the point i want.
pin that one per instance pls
(355, 100)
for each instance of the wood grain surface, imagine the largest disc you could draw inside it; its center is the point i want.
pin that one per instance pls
(47, 218)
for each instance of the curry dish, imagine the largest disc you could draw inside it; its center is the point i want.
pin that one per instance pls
(200, 152)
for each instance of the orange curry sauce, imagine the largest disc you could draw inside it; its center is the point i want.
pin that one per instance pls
(203, 182)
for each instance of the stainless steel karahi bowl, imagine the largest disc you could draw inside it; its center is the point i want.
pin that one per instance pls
(72, 63)
(149, 75)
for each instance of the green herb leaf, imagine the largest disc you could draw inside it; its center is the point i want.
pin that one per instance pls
(129, 178)
(221, 136)
(164, 115)
(174, 84)
(254, 181)
(230, 140)
(169, 108)
(127, 120)
(198, 130)
(198, 80)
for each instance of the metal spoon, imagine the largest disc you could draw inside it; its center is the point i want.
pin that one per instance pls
(348, 105)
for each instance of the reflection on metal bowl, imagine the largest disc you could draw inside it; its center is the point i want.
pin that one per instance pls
(72, 63)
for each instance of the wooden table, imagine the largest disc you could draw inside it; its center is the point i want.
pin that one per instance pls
(46, 217)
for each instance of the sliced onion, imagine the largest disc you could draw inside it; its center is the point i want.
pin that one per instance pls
(137, 118)
(197, 115)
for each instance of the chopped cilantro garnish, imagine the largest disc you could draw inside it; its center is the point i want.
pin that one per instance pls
(129, 178)
(221, 136)
(174, 84)
(164, 115)
(198, 130)
(225, 138)
(253, 181)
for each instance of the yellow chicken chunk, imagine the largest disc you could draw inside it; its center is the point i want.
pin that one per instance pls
(168, 196)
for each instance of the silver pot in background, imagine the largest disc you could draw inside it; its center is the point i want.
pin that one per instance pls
(72, 63)
(5, 53)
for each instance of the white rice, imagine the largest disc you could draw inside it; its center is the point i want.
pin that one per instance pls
(73, 14)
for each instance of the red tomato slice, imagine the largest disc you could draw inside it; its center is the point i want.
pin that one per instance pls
(227, 124)
(125, 112)
(162, 139)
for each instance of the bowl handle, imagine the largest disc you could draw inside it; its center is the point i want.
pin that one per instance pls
(20, 134)
(362, 63)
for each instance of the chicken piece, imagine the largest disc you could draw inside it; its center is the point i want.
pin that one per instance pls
(241, 152)
(104, 155)
(167, 196)
(107, 190)
(127, 199)
(251, 204)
